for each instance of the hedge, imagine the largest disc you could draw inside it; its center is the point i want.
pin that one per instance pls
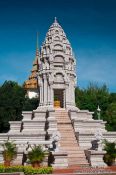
(28, 170)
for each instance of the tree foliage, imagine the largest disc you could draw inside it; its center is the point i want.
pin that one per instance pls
(30, 104)
(110, 148)
(11, 102)
(111, 116)
(95, 95)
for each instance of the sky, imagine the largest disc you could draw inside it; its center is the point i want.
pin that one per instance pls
(90, 26)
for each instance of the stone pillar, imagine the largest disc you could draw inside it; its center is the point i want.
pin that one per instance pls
(70, 94)
(42, 93)
(49, 95)
(39, 95)
(40, 81)
(45, 90)
(68, 98)
(64, 98)
(73, 95)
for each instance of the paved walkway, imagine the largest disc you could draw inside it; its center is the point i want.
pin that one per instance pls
(86, 171)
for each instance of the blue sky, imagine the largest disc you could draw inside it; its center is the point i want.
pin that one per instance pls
(90, 26)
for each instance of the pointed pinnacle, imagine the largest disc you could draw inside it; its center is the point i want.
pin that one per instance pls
(55, 20)
(37, 47)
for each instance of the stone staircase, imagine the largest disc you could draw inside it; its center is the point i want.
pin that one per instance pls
(68, 142)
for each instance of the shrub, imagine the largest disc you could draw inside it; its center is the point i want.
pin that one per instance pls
(28, 170)
(31, 170)
(9, 152)
(36, 155)
(110, 156)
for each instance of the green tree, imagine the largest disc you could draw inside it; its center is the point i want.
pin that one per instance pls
(91, 97)
(110, 156)
(111, 117)
(112, 97)
(30, 104)
(12, 98)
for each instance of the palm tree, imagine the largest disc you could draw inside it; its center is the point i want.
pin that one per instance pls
(36, 155)
(9, 152)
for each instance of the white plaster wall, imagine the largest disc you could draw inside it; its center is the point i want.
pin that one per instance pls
(32, 94)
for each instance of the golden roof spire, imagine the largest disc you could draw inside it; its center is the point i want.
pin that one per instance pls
(37, 46)
(32, 83)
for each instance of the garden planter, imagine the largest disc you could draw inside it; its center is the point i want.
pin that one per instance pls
(36, 164)
(6, 163)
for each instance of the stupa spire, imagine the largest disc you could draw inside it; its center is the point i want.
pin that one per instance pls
(55, 20)
(37, 46)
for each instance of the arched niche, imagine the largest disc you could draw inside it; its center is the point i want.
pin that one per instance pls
(58, 47)
(58, 78)
(56, 32)
(56, 38)
(58, 59)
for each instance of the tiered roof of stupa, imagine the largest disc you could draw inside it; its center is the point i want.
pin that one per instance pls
(32, 82)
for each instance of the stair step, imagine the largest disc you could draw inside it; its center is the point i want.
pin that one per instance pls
(77, 160)
(64, 126)
(76, 156)
(64, 120)
(69, 144)
(68, 141)
(76, 152)
(65, 132)
(78, 163)
(64, 148)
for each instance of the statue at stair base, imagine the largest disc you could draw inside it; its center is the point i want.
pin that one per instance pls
(60, 157)
(96, 153)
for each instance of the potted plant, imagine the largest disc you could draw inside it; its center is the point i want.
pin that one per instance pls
(9, 152)
(110, 156)
(36, 156)
(56, 102)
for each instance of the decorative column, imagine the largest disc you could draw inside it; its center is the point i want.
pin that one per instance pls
(45, 89)
(40, 81)
(52, 96)
(72, 93)
(40, 96)
(49, 94)
(67, 95)
(64, 98)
